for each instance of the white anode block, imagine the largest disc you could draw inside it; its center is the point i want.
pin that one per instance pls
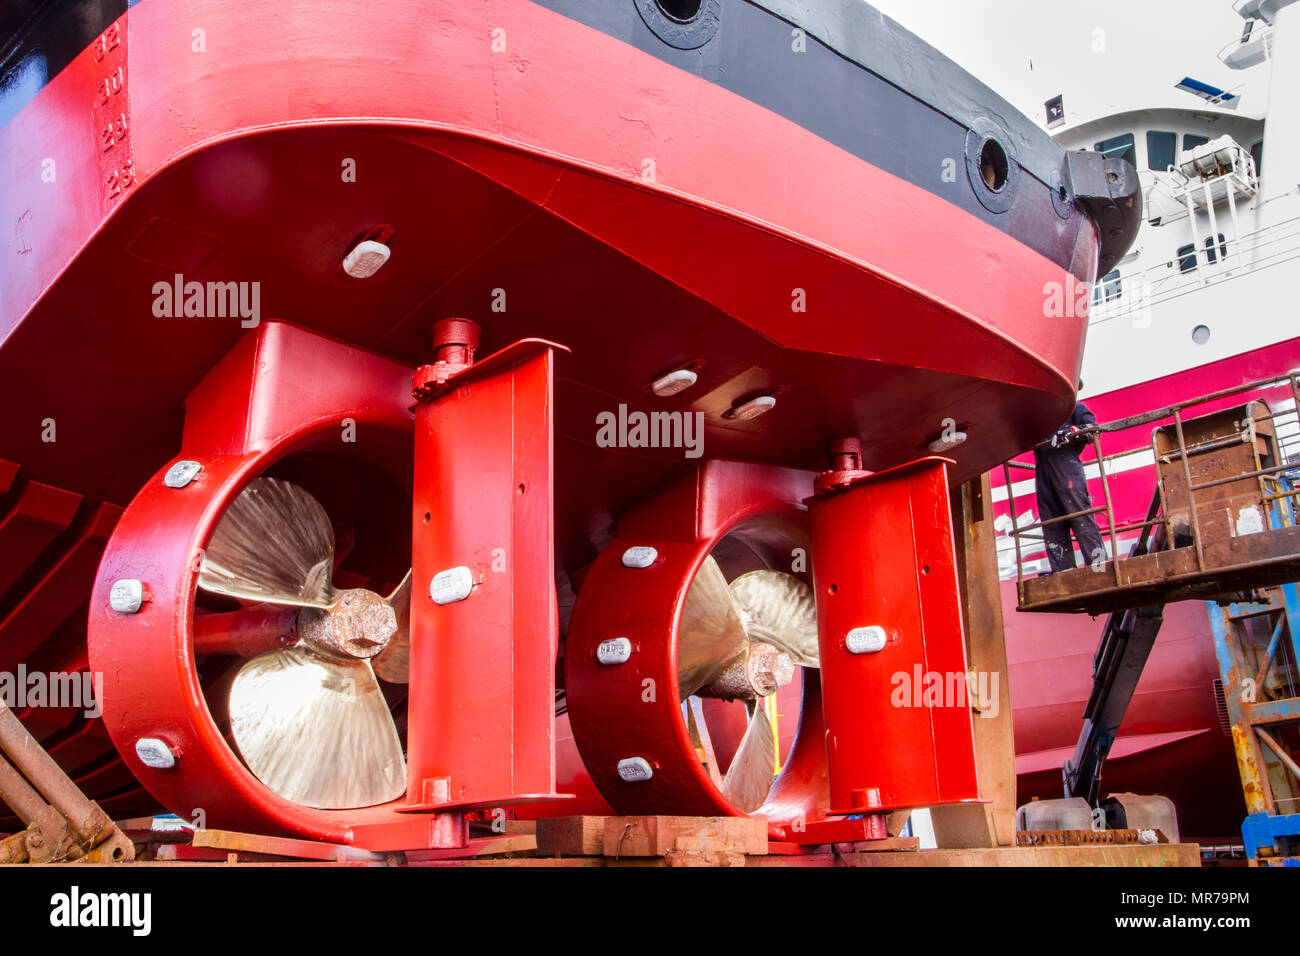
(181, 474)
(940, 445)
(452, 585)
(635, 769)
(616, 650)
(674, 382)
(154, 753)
(126, 596)
(640, 557)
(755, 407)
(866, 640)
(366, 259)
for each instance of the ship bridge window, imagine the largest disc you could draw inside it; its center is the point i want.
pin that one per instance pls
(1210, 250)
(1108, 289)
(1257, 151)
(1119, 147)
(1191, 141)
(1161, 150)
(1186, 258)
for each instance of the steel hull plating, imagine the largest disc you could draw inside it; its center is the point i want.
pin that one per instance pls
(613, 201)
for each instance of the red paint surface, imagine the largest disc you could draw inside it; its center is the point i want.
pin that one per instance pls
(883, 556)
(519, 171)
(482, 687)
(634, 709)
(494, 178)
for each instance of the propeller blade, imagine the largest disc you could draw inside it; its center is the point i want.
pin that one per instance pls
(711, 634)
(394, 662)
(779, 609)
(749, 778)
(317, 730)
(274, 544)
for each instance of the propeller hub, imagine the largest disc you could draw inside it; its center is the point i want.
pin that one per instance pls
(760, 673)
(358, 625)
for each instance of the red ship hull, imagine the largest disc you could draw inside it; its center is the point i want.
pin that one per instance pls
(546, 195)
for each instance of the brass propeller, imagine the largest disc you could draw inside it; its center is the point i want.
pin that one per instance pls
(393, 662)
(779, 609)
(317, 730)
(743, 640)
(749, 778)
(710, 635)
(274, 544)
(310, 721)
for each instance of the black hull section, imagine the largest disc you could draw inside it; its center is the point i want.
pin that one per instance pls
(877, 91)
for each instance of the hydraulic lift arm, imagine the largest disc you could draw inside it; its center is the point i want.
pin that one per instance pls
(1116, 667)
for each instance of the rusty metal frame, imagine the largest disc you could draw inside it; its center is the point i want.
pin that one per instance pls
(62, 822)
(1267, 830)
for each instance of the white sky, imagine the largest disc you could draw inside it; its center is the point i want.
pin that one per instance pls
(1149, 46)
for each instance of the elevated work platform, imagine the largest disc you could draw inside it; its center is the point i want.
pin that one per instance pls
(1259, 560)
(1221, 525)
(1222, 518)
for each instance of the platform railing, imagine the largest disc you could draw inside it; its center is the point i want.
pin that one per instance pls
(1273, 484)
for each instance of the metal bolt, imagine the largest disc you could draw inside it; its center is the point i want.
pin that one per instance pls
(635, 769)
(866, 640)
(616, 650)
(154, 753)
(126, 595)
(452, 585)
(640, 557)
(181, 474)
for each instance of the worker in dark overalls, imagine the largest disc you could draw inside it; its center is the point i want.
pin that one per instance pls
(1062, 489)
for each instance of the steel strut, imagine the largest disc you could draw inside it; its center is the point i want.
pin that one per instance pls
(890, 631)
